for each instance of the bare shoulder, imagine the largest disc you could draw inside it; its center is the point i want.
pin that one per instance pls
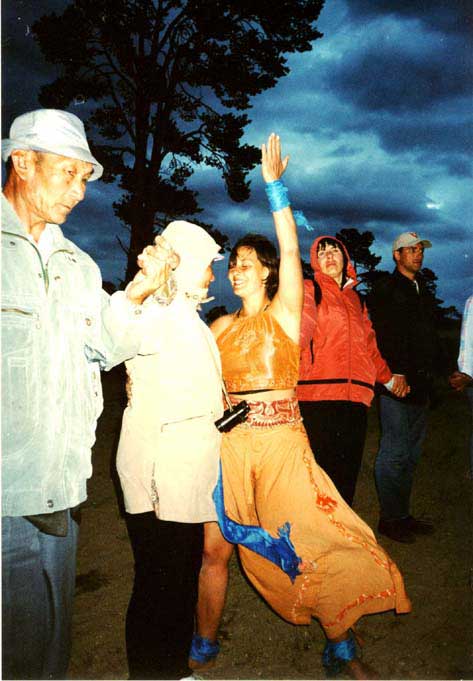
(219, 325)
(289, 320)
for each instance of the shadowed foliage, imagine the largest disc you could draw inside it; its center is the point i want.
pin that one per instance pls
(358, 245)
(166, 84)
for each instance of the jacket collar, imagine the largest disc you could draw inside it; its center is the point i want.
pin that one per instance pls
(327, 282)
(405, 280)
(11, 223)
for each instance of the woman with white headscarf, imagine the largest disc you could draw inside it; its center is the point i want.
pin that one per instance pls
(168, 456)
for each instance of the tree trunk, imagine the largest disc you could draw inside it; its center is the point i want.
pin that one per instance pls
(142, 230)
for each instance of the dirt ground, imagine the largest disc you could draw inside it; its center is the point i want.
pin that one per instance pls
(433, 642)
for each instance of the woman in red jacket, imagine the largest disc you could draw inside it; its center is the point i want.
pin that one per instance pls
(340, 363)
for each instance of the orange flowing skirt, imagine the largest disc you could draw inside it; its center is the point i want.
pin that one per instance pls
(270, 477)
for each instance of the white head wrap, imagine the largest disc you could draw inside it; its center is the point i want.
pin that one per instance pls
(196, 249)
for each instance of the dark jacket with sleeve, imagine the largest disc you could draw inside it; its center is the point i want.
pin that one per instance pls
(403, 319)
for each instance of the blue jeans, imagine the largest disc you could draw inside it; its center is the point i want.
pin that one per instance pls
(403, 429)
(38, 581)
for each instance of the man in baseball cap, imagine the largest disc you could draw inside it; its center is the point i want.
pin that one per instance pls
(401, 312)
(58, 330)
(409, 239)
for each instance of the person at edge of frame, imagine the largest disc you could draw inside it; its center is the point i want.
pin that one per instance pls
(59, 329)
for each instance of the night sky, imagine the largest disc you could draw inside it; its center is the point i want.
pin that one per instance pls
(377, 120)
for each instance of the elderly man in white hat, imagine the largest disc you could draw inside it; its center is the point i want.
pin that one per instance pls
(402, 315)
(168, 458)
(58, 330)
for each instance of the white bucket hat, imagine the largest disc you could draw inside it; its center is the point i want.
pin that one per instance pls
(52, 131)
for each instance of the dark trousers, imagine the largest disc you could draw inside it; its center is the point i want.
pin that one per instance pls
(337, 432)
(160, 616)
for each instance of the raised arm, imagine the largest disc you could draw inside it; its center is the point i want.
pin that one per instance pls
(287, 303)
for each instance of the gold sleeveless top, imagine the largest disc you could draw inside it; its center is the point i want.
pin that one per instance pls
(257, 354)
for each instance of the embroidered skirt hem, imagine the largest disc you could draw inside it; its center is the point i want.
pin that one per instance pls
(270, 478)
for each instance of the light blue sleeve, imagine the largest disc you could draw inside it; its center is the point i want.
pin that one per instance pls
(121, 329)
(465, 356)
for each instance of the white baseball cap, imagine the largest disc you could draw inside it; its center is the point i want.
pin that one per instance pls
(407, 239)
(52, 131)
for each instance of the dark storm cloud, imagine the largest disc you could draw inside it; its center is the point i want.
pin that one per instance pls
(345, 210)
(345, 151)
(367, 189)
(323, 110)
(388, 76)
(444, 139)
(443, 15)
(457, 285)
(435, 132)
(458, 166)
(373, 213)
(345, 200)
(23, 68)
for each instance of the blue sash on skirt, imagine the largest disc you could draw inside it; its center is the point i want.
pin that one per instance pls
(279, 551)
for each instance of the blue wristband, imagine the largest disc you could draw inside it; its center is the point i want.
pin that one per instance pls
(277, 195)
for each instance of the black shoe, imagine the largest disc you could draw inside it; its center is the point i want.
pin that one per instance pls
(419, 525)
(397, 530)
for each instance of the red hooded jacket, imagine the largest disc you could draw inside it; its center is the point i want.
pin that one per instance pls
(340, 359)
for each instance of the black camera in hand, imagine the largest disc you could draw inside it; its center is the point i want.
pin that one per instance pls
(232, 417)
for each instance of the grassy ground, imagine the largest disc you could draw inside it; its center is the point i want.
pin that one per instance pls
(433, 642)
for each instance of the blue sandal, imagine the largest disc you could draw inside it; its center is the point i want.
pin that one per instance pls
(336, 656)
(203, 652)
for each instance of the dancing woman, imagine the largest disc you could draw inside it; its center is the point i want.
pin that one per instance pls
(301, 545)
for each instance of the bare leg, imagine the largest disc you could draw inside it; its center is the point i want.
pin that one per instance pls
(213, 580)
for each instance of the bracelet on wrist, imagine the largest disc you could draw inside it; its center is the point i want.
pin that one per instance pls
(277, 194)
